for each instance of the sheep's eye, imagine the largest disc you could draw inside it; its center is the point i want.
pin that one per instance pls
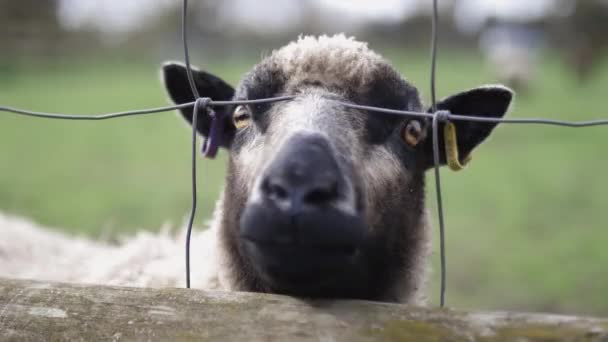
(412, 133)
(241, 117)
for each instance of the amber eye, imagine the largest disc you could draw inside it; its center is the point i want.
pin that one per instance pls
(241, 117)
(412, 133)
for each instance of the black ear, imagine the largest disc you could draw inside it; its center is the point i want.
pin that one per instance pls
(176, 82)
(487, 101)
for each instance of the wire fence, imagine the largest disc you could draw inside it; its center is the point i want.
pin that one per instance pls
(211, 142)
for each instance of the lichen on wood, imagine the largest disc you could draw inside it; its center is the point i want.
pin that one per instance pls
(33, 310)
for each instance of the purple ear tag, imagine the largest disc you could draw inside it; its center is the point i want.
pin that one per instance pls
(214, 139)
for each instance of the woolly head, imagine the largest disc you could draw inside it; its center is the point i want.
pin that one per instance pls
(322, 199)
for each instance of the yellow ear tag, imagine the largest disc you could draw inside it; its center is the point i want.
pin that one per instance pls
(451, 148)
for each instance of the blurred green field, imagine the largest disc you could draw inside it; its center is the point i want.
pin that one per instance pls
(525, 223)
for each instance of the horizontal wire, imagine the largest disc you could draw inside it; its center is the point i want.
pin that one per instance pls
(256, 101)
(471, 118)
(386, 110)
(106, 116)
(45, 115)
(448, 116)
(536, 121)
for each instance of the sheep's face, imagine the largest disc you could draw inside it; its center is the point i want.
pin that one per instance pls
(321, 199)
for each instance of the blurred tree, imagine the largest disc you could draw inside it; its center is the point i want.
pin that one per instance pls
(29, 27)
(582, 36)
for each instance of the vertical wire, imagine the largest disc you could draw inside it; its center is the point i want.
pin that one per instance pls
(439, 208)
(436, 154)
(195, 111)
(186, 53)
(193, 210)
(434, 56)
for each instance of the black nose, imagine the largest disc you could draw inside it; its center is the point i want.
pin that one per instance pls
(298, 229)
(303, 176)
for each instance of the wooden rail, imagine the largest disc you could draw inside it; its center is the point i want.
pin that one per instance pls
(42, 311)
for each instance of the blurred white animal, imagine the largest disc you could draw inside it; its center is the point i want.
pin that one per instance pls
(30, 251)
(512, 52)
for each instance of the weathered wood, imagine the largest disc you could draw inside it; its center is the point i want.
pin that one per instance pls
(32, 310)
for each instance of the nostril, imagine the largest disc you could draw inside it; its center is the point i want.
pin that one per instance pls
(274, 190)
(322, 195)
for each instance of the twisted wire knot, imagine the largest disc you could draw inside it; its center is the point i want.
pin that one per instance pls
(442, 116)
(203, 103)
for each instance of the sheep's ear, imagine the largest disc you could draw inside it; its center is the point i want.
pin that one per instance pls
(176, 82)
(487, 101)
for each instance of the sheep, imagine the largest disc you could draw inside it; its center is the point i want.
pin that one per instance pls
(512, 54)
(321, 200)
(31, 251)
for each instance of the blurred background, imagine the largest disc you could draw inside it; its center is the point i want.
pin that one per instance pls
(525, 222)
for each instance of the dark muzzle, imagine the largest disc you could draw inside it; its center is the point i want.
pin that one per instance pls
(300, 227)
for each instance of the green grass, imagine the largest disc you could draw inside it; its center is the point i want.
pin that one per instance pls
(525, 222)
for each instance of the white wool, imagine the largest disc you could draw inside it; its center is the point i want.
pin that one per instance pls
(332, 60)
(30, 251)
